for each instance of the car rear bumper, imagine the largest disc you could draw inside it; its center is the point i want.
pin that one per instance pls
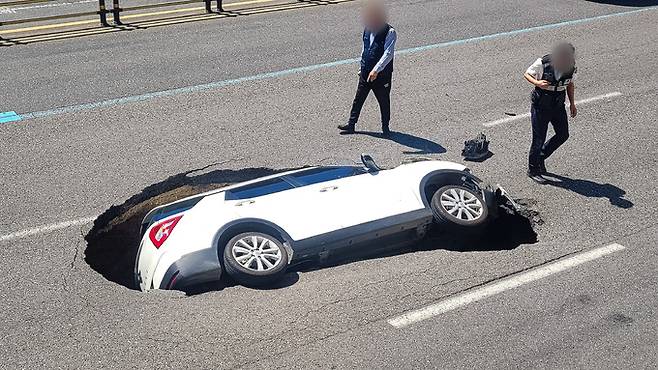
(192, 269)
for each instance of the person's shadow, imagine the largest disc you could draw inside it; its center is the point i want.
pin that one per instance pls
(421, 145)
(591, 189)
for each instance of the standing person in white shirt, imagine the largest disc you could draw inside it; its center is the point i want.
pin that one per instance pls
(552, 76)
(376, 65)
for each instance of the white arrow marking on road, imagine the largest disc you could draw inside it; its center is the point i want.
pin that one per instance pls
(526, 115)
(45, 229)
(501, 286)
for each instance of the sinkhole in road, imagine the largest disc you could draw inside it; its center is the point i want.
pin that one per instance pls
(113, 241)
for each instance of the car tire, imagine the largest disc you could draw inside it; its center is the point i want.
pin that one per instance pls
(255, 259)
(459, 209)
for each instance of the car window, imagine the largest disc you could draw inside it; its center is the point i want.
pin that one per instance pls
(258, 189)
(322, 174)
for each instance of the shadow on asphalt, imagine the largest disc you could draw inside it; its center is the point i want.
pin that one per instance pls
(591, 189)
(162, 21)
(113, 241)
(421, 145)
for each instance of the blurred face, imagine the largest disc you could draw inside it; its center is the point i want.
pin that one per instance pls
(373, 15)
(563, 57)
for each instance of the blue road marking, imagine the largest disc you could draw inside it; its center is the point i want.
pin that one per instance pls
(9, 117)
(310, 68)
(183, 90)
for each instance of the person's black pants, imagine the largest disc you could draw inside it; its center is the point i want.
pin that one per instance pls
(541, 116)
(382, 89)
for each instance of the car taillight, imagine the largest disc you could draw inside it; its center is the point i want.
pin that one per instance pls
(161, 231)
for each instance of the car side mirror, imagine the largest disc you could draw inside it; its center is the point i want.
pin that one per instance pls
(369, 163)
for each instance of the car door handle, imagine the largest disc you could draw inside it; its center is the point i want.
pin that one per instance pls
(245, 202)
(328, 188)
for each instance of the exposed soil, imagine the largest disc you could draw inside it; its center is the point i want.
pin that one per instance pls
(509, 230)
(113, 240)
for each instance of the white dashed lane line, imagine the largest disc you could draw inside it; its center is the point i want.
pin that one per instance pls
(500, 286)
(527, 115)
(43, 229)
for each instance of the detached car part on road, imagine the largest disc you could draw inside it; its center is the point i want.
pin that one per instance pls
(254, 230)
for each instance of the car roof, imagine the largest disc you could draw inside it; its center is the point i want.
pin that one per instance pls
(248, 182)
(252, 181)
(223, 189)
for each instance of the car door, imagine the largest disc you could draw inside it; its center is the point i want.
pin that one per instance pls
(325, 205)
(358, 196)
(301, 211)
(375, 196)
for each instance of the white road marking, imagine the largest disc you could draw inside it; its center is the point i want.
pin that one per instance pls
(501, 286)
(43, 229)
(12, 10)
(526, 115)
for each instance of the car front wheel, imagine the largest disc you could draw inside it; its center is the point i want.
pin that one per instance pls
(255, 259)
(459, 209)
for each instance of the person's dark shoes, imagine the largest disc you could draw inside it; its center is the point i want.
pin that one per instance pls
(386, 132)
(347, 128)
(536, 177)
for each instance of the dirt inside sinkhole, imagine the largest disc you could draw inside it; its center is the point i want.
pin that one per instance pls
(114, 238)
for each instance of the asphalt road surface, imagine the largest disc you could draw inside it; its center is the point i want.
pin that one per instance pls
(105, 116)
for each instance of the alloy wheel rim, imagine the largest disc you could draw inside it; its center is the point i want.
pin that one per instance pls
(256, 253)
(461, 204)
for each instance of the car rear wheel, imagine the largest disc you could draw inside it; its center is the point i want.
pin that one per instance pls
(459, 209)
(255, 259)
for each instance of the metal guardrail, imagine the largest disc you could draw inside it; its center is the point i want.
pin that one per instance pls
(117, 9)
(47, 18)
(102, 11)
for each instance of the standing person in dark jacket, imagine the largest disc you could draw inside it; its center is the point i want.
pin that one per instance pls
(376, 65)
(552, 76)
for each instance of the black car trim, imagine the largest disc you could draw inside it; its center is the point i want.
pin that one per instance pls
(362, 233)
(193, 268)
